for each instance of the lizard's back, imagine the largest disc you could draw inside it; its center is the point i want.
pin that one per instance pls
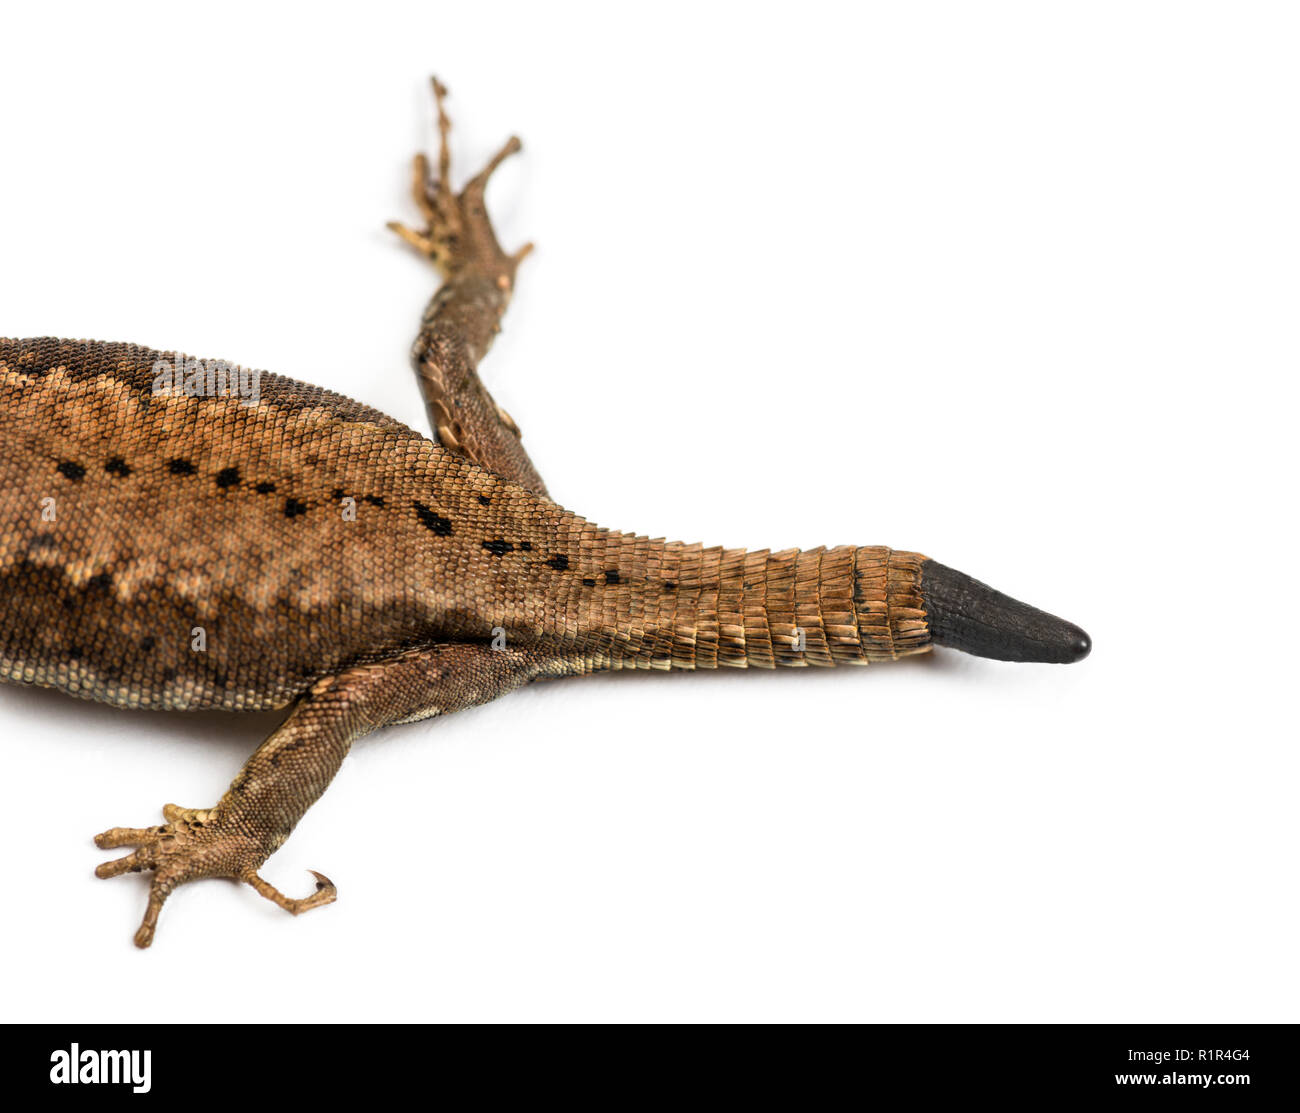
(187, 551)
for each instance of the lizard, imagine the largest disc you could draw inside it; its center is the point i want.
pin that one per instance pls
(181, 549)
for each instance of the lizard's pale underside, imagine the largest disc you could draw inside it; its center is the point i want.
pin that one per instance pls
(179, 549)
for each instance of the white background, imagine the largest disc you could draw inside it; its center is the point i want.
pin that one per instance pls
(1010, 284)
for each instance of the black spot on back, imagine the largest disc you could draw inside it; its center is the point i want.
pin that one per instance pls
(588, 583)
(527, 546)
(612, 576)
(227, 477)
(117, 466)
(559, 562)
(435, 523)
(483, 500)
(181, 467)
(498, 547)
(264, 488)
(148, 642)
(71, 470)
(101, 581)
(292, 508)
(375, 500)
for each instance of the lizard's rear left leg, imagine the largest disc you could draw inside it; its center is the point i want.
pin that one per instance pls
(465, 314)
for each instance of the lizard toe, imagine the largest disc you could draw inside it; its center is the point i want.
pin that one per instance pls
(192, 844)
(134, 862)
(195, 843)
(127, 836)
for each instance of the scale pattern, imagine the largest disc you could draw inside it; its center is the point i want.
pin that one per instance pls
(310, 533)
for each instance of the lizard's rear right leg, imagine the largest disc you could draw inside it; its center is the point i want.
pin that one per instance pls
(290, 770)
(465, 314)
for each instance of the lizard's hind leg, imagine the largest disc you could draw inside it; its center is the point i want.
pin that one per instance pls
(296, 763)
(465, 314)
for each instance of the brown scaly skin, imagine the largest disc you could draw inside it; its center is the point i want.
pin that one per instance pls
(465, 314)
(341, 565)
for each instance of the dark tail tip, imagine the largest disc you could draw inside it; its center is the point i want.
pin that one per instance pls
(965, 614)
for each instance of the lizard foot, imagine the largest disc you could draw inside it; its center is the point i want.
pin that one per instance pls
(457, 234)
(194, 843)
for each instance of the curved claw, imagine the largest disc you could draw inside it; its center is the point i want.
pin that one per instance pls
(325, 893)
